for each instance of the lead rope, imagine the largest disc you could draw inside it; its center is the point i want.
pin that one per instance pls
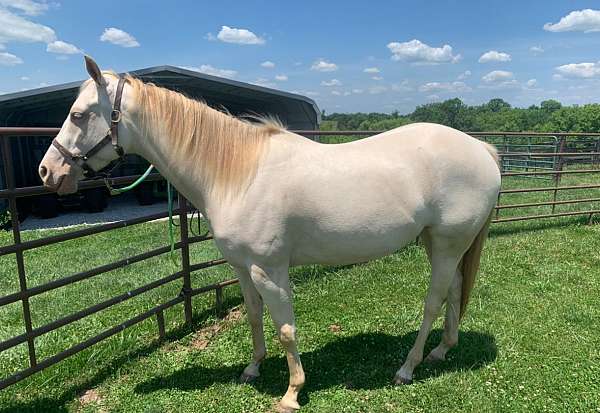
(118, 191)
(171, 223)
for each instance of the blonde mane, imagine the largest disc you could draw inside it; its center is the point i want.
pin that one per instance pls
(225, 149)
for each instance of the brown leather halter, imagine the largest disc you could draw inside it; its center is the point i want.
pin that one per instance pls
(112, 136)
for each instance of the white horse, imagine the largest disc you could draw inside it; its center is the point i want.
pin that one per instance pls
(274, 199)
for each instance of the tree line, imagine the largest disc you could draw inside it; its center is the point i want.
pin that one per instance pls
(495, 115)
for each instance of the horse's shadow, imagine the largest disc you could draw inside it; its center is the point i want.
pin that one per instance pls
(363, 361)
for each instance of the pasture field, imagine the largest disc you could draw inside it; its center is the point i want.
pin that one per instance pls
(529, 341)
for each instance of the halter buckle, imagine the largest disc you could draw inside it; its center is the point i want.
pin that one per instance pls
(115, 116)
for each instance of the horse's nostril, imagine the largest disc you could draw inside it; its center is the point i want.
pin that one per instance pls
(43, 171)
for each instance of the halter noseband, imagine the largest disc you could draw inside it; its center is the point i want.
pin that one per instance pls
(112, 136)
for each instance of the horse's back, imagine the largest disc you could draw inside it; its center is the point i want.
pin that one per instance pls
(338, 204)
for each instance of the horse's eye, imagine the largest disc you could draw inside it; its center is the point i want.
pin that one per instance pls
(76, 116)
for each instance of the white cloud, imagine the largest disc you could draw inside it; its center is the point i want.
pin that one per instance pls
(531, 83)
(586, 21)
(536, 50)
(24, 78)
(494, 56)
(268, 64)
(497, 76)
(418, 52)
(403, 86)
(330, 83)
(118, 37)
(580, 70)
(8, 59)
(336, 93)
(375, 90)
(464, 75)
(213, 71)
(14, 28)
(357, 91)
(305, 92)
(377, 78)
(28, 7)
(371, 70)
(556, 76)
(58, 46)
(261, 81)
(433, 98)
(281, 78)
(237, 36)
(445, 87)
(323, 65)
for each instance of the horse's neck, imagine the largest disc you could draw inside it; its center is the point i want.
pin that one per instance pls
(182, 173)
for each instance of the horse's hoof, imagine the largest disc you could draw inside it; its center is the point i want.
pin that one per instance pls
(286, 409)
(401, 381)
(433, 358)
(247, 378)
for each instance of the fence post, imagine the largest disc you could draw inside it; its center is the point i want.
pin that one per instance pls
(185, 259)
(219, 301)
(14, 217)
(558, 168)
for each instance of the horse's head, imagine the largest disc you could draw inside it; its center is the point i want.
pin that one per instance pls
(86, 143)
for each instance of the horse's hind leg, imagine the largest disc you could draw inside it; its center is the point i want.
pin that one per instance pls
(445, 254)
(450, 335)
(254, 308)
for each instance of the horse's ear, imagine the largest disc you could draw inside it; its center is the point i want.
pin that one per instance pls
(94, 71)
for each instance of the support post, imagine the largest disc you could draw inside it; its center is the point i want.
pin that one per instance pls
(185, 259)
(160, 320)
(14, 217)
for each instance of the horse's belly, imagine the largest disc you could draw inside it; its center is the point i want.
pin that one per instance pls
(341, 248)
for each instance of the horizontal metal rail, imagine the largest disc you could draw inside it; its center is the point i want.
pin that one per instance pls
(95, 183)
(84, 275)
(536, 154)
(86, 344)
(79, 233)
(571, 172)
(87, 311)
(476, 134)
(561, 214)
(534, 204)
(106, 334)
(550, 188)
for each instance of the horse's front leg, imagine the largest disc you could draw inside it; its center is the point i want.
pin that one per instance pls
(274, 286)
(254, 308)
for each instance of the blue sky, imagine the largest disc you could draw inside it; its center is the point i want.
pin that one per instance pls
(346, 55)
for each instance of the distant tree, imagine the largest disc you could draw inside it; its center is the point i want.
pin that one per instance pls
(496, 105)
(550, 105)
(495, 115)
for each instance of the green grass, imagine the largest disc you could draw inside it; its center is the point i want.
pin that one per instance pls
(529, 341)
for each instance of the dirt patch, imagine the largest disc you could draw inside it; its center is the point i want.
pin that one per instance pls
(203, 337)
(335, 328)
(90, 397)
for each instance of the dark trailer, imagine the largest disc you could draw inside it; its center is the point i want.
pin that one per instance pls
(49, 106)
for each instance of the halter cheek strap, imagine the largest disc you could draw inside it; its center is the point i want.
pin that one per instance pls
(112, 137)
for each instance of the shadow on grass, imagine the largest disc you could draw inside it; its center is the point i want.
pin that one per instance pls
(363, 361)
(59, 405)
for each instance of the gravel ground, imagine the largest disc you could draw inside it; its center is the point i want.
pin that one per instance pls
(121, 207)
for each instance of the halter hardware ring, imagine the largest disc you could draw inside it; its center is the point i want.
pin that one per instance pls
(115, 116)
